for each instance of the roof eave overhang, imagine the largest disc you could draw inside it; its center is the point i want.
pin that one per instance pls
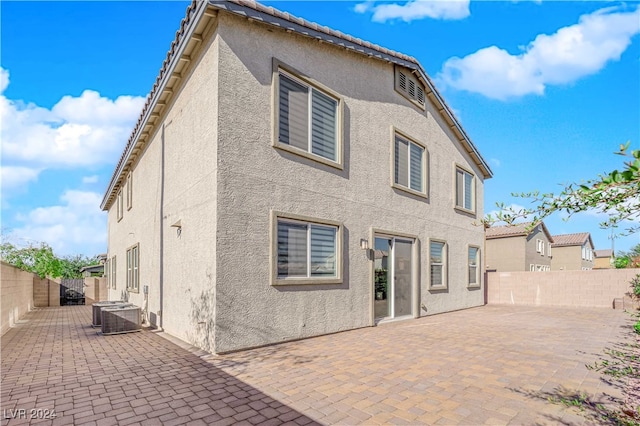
(185, 37)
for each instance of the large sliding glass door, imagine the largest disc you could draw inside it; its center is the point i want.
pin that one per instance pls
(393, 278)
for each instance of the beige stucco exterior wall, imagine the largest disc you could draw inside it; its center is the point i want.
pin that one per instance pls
(255, 178)
(602, 263)
(569, 258)
(532, 257)
(16, 287)
(596, 288)
(506, 254)
(176, 181)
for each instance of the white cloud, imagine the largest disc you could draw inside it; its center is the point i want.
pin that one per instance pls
(90, 179)
(77, 225)
(16, 177)
(495, 162)
(563, 57)
(416, 9)
(4, 79)
(77, 131)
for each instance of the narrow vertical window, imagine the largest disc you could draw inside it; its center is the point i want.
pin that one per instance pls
(465, 190)
(119, 206)
(474, 279)
(437, 259)
(409, 165)
(130, 191)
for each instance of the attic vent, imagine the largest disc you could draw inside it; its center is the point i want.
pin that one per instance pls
(402, 81)
(420, 96)
(409, 87)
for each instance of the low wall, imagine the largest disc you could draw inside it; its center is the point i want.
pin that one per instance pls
(16, 287)
(46, 292)
(595, 288)
(95, 290)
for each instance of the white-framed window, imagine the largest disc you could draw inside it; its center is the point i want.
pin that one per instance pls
(465, 190)
(133, 272)
(549, 249)
(119, 205)
(474, 266)
(409, 164)
(438, 264)
(308, 117)
(306, 250)
(409, 86)
(532, 267)
(129, 190)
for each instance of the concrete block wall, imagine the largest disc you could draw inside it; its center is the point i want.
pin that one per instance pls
(595, 288)
(95, 290)
(16, 287)
(46, 292)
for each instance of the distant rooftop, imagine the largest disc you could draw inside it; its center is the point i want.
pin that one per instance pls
(577, 239)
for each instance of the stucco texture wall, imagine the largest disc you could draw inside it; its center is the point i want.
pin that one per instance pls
(506, 254)
(174, 181)
(569, 258)
(255, 178)
(596, 288)
(17, 295)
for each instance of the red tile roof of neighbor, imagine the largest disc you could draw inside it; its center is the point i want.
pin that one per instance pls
(516, 230)
(603, 253)
(571, 239)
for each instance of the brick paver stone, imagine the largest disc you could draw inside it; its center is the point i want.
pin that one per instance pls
(488, 365)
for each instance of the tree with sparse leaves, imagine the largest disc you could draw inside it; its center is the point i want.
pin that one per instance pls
(616, 194)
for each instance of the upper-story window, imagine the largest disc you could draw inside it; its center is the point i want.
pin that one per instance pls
(549, 249)
(465, 190)
(119, 206)
(409, 86)
(308, 118)
(409, 165)
(129, 190)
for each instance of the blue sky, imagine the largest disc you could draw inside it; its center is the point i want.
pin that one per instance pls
(547, 91)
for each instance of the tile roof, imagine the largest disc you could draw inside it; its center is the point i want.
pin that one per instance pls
(577, 239)
(255, 11)
(516, 230)
(603, 253)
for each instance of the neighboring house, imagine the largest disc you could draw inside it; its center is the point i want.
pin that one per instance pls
(280, 172)
(572, 252)
(521, 247)
(96, 270)
(603, 259)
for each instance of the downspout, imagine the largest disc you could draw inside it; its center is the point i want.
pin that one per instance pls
(161, 278)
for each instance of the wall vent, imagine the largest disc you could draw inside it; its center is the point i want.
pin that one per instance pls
(409, 86)
(121, 319)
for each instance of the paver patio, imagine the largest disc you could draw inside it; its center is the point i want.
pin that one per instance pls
(488, 365)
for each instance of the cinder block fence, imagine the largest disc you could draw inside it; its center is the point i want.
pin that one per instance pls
(595, 288)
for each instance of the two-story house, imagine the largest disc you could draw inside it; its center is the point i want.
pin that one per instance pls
(286, 180)
(572, 252)
(521, 247)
